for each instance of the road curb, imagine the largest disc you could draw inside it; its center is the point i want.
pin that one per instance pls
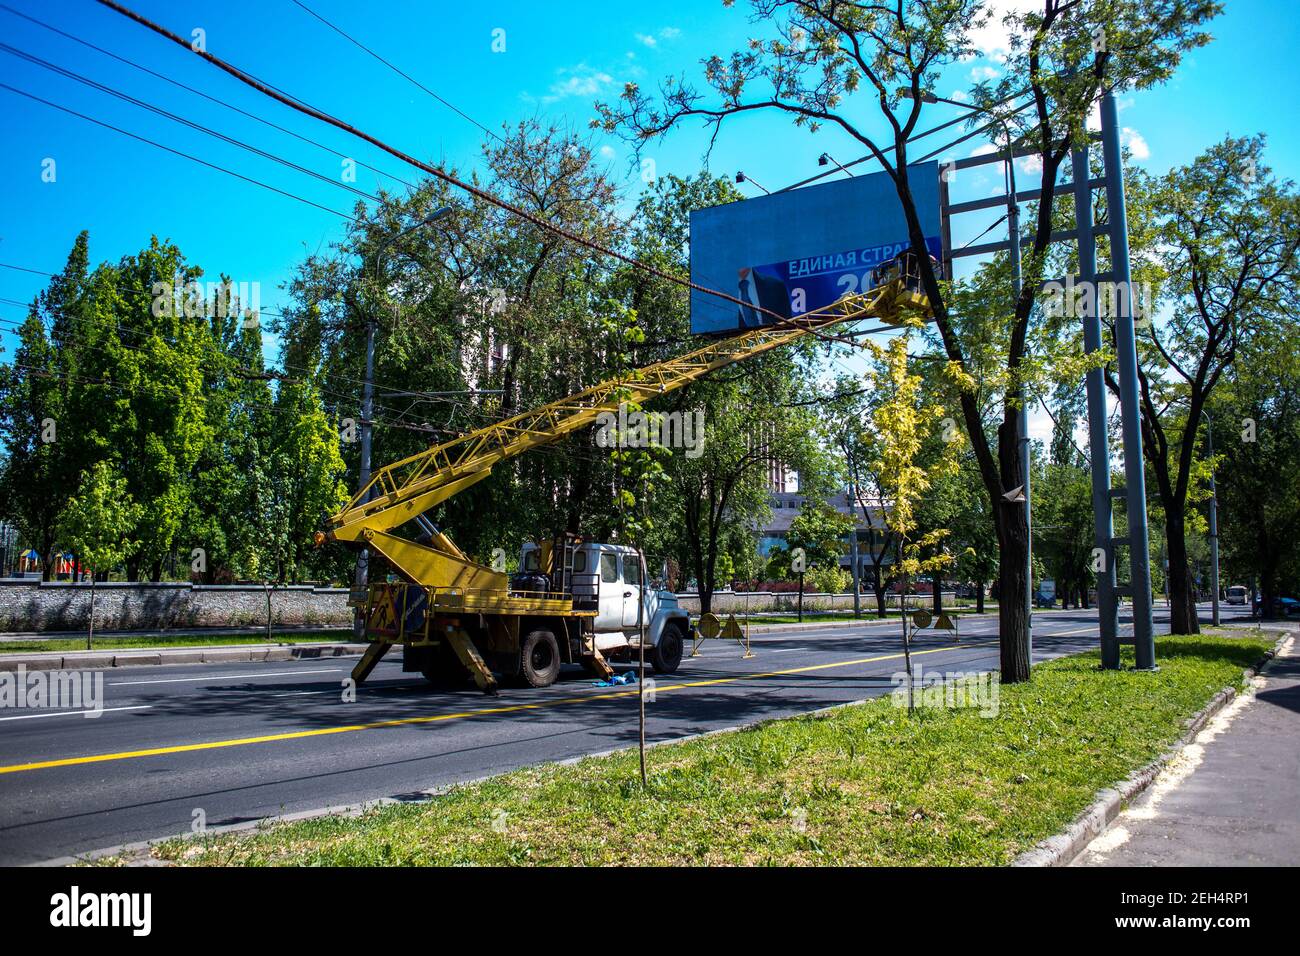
(1064, 847)
(143, 656)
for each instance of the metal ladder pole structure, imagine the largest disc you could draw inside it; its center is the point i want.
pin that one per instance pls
(1098, 425)
(1137, 539)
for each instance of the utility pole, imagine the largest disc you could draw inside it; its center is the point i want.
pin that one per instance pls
(855, 558)
(368, 406)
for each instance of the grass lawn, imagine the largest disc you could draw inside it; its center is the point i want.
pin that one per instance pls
(860, 785)
(69, 644)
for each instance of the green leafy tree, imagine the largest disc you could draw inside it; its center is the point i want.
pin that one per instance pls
(1223, 235)
(903, 420)
(38, 416)
(1256, 416)
(816, 56)
(96, 524)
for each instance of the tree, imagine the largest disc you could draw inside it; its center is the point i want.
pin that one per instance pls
(825, 51)
(818, 531)
(903, 420)
(96, 523)
(1257, 434)
(1223, 238)
(38, 422)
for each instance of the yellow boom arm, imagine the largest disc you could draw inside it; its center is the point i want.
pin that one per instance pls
(406, 489)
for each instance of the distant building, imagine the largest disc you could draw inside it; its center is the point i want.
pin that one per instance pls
(786, 505)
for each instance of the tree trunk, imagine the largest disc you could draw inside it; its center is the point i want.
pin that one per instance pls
(936, 599)
(907, 646)
(1013, 623)
(979, 597)
(1182, 596)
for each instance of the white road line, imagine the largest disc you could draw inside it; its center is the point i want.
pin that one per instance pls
(216, 677)
(78, 713)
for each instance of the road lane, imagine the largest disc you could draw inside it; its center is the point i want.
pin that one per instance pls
(427, 739)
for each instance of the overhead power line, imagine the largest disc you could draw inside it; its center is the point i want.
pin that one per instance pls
(296, 104)
(86, 81)
(396, 69)
(177, 152)
(207, 96)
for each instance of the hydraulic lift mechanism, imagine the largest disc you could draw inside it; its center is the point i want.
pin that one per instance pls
(453, 615)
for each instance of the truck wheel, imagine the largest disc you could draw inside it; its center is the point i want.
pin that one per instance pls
(539, 659)
(667, 654)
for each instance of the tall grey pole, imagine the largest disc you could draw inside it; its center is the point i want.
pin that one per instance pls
(1130, 413)
(1022, 418)
(368, 405)
(363, 472)
(1103, 524)
(1214, 523)
(855, 558)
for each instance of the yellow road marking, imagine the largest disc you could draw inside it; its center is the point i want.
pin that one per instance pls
(461, 715)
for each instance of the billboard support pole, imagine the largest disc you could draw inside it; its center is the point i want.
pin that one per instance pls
(1138, 540)
(1103, 522)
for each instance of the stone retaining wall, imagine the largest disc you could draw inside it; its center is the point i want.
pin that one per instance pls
(60, 606)
(729, 602)
(31, 605)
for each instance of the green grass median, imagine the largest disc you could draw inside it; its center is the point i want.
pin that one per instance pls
(859, 785)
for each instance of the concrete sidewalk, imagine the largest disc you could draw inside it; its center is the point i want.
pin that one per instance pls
(1232, 796)
(211, 654)
(325, 633)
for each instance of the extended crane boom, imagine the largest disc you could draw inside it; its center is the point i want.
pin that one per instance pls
(455, 605)
(406, 489)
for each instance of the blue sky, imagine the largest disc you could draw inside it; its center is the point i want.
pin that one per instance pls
(556, 62)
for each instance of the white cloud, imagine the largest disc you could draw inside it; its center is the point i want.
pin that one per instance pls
(607, 152)
(961, 96)
(1133, 140)
(652, 39)
(580, 80)
(1094, 118)
(1030, 166)
(981, 73)
(992, 39)
(983, 150)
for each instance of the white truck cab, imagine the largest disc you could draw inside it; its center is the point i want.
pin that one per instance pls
(609, 578)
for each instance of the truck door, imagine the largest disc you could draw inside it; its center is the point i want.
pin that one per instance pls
(631, 589)
(609, 614)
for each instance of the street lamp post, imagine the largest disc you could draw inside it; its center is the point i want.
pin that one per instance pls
(368, 401)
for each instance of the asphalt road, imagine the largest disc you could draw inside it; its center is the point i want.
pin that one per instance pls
(243, 742)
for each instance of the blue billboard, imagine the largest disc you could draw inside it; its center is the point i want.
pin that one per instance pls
(797, 251)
